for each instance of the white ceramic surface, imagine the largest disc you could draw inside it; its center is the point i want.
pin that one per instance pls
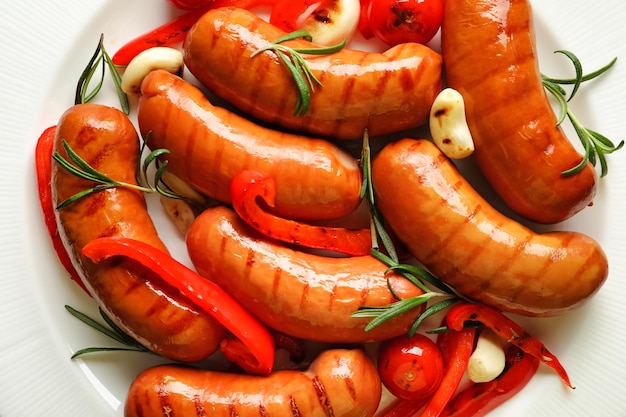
(45, 46)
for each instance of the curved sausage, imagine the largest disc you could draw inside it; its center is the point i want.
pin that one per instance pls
(209, 145)
(339, 383)
(471, 246)
(490, 58)
(300, 294)
(131, 296)
(385, 93)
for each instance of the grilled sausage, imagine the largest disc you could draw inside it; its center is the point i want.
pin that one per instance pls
(471, 246)
(490, 58)
(385, 93)
(301, 294)
(209, 145)
(131, 296)
(339, 383)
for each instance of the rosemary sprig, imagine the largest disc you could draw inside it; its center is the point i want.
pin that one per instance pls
(300, 71)
(100, 58)
(414, 274)
(596, 146)
(77, 166)
(112, 331)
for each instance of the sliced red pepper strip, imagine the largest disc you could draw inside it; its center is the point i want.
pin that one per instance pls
(254, 336)
(479, 399)
(507, 329)
(175, 30)
(43, 169)
(248, 186)
(406, 408)
(456, 348)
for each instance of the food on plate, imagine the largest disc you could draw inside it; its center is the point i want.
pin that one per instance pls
(520, 148)
(399, 21)
(209, 145)
(448, 125)
(251, 192)
(471, 246)
(154, 316)
(339, 382)
(382, 92)
(297, 293)
(410, 367)
(328, 22)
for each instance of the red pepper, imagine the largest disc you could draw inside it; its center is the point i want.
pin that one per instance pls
(43, 169)
(175, 30)
(507, 329)
(248, 187)
(254, 349)
(479, 399)
(456, 348)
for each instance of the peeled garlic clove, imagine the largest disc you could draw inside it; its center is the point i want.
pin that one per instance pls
(159, 57)
(333, 22)
(488, 359)
(448, 125)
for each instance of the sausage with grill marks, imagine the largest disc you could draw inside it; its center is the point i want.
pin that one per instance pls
(383, 92)
(304, 295)
(490, 58)
(339, 383)
(132, 297)
(471, 246)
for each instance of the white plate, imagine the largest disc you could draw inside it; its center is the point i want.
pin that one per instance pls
(45, 46)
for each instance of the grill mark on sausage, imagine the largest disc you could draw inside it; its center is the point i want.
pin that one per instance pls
(263, 411)
(351, 388)
(163, 395)
(293, 407)
(322, 396)
(199, 405)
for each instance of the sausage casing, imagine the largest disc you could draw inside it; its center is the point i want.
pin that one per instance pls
(130, 295)
(383, 92)
(301, 294)
(471, 246)
(490, 58)
(339, 383)
(209, 145)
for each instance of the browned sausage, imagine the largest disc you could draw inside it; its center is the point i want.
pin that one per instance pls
(301, 294)
(490, 58)
(209, 145)
(384, 93)
(471, 246)
(131, 296)
(339, 383)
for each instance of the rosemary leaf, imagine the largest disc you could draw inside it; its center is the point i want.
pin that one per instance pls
(297, 66)
(430, 311)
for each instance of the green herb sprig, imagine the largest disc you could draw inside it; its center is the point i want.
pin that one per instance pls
(414, 274)
(77, 166)
(102, 59)
(596, 146)
(300, 71)
(112, 331)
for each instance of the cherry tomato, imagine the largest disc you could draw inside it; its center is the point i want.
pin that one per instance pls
(411, 369)
(399, 21)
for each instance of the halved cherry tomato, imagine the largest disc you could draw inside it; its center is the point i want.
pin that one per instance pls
(410, 368)
(398, 21)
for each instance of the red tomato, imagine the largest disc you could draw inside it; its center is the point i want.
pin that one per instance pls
(398, 21)
(189, 4)
(411, 369)
(290, 14)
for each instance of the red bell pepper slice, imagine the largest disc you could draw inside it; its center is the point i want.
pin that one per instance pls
(479, 399)
(248, 187)
(175, 30)
(254, 349)
(456, 348)
(43, 169)
(507, 329)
